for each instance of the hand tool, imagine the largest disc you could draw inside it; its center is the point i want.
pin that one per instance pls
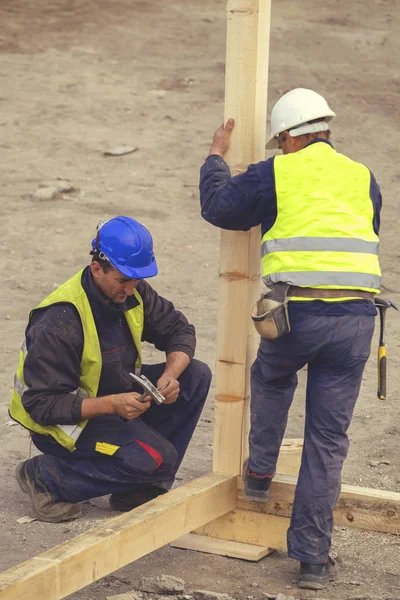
(382, 304)
(149, 389)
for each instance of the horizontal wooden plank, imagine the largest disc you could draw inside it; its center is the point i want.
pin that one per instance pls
(266, 524)
(119, 541)
(361, 508)
(210, 545)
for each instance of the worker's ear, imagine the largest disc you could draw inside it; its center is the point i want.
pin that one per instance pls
(96, 269)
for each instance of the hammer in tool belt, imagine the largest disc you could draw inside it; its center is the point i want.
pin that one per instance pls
(148, 389)
(382, 305)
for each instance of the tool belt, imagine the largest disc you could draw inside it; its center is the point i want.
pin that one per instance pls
(270, 314)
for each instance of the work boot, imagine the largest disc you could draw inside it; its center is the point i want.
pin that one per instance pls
(317, 577)
(45, 508)
(125, 501)
(256, 487)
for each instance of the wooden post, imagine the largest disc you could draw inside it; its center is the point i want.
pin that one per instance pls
(246, 101)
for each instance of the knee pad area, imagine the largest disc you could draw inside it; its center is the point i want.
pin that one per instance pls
(144, 457)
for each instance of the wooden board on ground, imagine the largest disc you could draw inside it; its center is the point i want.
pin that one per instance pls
(210, 545)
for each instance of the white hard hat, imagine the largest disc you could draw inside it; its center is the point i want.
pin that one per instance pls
(297, 108)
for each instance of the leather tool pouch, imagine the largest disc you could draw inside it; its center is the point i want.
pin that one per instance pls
(270, 314)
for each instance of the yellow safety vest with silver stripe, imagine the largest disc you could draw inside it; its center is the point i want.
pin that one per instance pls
(91, 361)
(323, 236)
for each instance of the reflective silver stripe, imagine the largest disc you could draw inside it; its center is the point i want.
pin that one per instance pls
(73, 431)
(24, 348)
(319, 244)
(79, 392)
(336, 278)
(19, 386)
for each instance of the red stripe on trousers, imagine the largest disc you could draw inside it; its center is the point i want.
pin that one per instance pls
(152, 451)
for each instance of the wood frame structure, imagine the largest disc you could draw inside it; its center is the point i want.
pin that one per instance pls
(213, 505)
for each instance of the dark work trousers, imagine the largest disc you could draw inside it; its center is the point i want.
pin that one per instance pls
(335, 348)
(150, 448)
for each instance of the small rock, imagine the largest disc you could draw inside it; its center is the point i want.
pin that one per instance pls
(121, 150)
(187, 597)
(207, 595)
(269, 596)
(26, 519)
(62, 185)
(45, 193)
(376, 463)
(283, 597)
(162, 584)
(49, 190)
(255, 585)
(8, 317)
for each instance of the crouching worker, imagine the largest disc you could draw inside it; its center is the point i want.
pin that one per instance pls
(74, 392)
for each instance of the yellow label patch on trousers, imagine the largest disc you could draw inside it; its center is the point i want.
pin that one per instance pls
(105, 448)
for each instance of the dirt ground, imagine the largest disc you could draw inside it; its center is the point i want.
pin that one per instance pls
(79, 77)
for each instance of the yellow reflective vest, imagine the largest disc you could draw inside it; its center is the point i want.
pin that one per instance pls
(91, 361)
(323, 236)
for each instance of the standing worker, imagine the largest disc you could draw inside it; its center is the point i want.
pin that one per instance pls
(74, 392)
(319, 215)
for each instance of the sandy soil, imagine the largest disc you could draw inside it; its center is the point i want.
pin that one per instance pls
(81, 77)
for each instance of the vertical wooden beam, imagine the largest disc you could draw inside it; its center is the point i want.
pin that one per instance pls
(246, 81)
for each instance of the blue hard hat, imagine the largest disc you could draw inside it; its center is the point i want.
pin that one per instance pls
(128, 246)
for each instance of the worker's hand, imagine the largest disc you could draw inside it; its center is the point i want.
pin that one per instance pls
(171, 392)
(129, 406)
(222, 138)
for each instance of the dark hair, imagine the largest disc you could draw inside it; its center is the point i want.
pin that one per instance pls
(98, 256)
